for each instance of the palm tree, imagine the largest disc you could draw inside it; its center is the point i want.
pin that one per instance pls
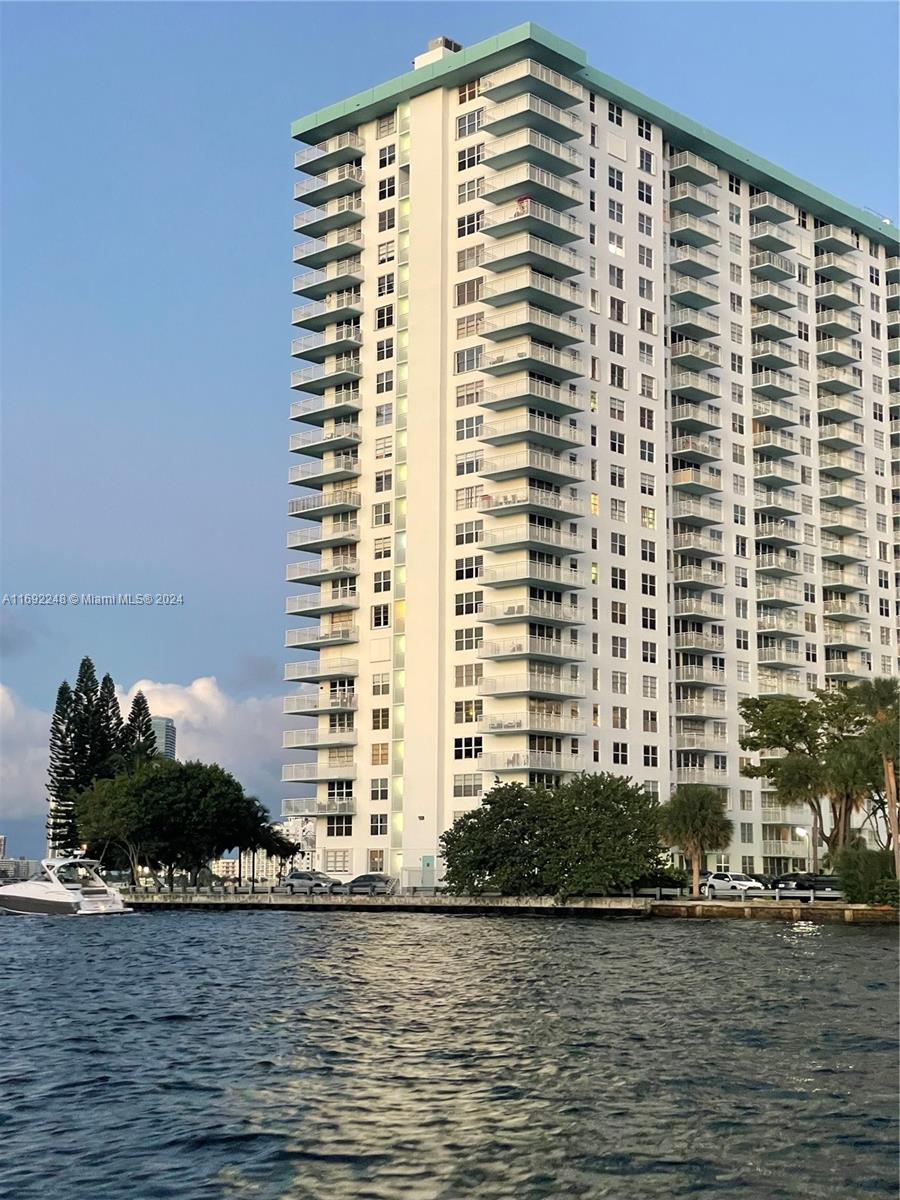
(694, 820)
(880, 701)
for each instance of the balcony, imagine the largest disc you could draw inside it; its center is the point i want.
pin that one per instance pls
(345, 275)
(314, 571)
(688, 292)
(339, 181)
(892, 269)
(687, 167)
(531, 760)
(775, 472)
(334, 468)
(702, 643)
(695, 231)
(705, 775)
(842, 521)
(766, 264)
(842, 466)
(698, 676)
(772, 296)
(688, 260)
(539, 501)
(837, 579)
(836, 352)
(316, 637)
(846, 635)
(313, 806)
(547, 612)
(695, 418)
(318, 253)
(533, 574)
(779, 622)
(836, 295)
(532, 537)
(774, 414)
(536, 429)
(317, 772)
(527, 389)
(779, 683)
(342, 435)
(769, 355)
(893, 296)
(838, 267)
(772, 502)
(834, 239)
(696, 481)
(313, 739)
(313, 704)
(848, 435)
(844, 550)
(533, 721)
(699, 544)
(701, 710)
(696, 739)
(345, 368)
(840, 406)
(336, 308)
(531, 78)
(338, 534)
(317, 508)
(690, 578)
(690, 355)
(540, 185)
(847, 667)
(838, 323)
(540, 648)
(775, 444)
(694, 607)
(845, 610)
(837, 379)
(777, 533)
(841, 493)
(343, 148)
(313, 604)
(693, 323)
(686, 198)
(527, 319)
(532, 112)
(528, 216)
(765, 206)
(894, 350)
(773, 384)
(527, 286)
(772, 326)
(531, 148)
(336, 214)
(769, 235)
(693, 386)
(536, 464)
(536, 684)
(778, 565)
(778, 595)
(526, 354)
(318, 669)
(531, 251)
(697, 449)
(338, 339)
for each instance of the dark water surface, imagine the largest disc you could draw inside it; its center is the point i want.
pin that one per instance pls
(357, 1057)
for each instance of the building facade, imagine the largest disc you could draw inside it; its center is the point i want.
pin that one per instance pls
(594, 428)
(165, 731)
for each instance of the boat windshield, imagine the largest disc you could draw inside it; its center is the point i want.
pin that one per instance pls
(76, 874)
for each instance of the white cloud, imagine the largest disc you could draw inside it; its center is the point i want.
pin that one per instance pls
(23, 757)
(243, 736)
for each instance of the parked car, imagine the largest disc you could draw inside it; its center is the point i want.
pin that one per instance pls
(766, 881)
(720, 882)
(373, 884)
(825, 886)
(309, 883)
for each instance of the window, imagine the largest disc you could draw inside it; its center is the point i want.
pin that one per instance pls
(617, 375)
(469, 567)
(615, 114)
(384, 349)
(468, 603)
(469, 292)
(337, 861)
(467, 360)
(469, 123)
(381, 616)
(467, 747)
(468, 91)
(470, 325)
(387, 219)
(470, 157)
(382, 547)
(620, 753)
(339, 826)
(734, 185)
(468, 674)
(644, 129)
(471, 256)
(385, 252)
(616, 277)
(616, 179)
(384, 316)
(617, 544)
(617, 441)
(469, 532)
(378, 790)
(379, 754)
(467, 785)
(469, 224)
(386, 155)
(387, 187)
(381, 513)
(619, 646)
(616, 212)
(651, 756)
(645, 224)
(619, 683)
(384, 382)
(470, 190)
(381, 581)
(645, 192)
(645, 160)
(381, 718)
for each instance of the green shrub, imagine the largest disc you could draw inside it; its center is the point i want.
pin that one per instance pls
(887, 891)
(862, 870)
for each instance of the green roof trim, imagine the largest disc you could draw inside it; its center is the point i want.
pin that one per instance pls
(530, 40)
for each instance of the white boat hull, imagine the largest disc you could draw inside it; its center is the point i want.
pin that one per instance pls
(67, 888)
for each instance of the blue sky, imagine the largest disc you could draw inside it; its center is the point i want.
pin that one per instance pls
(146, 285)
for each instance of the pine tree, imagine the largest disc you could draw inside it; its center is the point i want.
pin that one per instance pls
(138, 733)
(84, 726)
(62, 835)
(107, 731)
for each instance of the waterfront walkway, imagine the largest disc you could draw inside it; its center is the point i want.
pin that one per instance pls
(609, 907)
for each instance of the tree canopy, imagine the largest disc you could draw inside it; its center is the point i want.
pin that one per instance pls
(694, 819)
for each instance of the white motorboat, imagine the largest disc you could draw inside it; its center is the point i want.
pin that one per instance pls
(65, 887)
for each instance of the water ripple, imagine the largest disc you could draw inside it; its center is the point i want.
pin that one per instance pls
(283, 1056)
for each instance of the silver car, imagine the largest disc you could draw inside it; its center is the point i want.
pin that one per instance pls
(309, 883)
(722, 882)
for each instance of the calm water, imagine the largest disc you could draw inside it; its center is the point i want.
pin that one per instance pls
(334, 1056)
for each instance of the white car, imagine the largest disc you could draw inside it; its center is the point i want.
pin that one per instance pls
(720, 882)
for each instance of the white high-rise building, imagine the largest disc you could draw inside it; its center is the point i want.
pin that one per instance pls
(595, 432)
(166, 733)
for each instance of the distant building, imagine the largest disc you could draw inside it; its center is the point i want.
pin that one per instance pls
(2, 845)
(18, 868)
(164, 729)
